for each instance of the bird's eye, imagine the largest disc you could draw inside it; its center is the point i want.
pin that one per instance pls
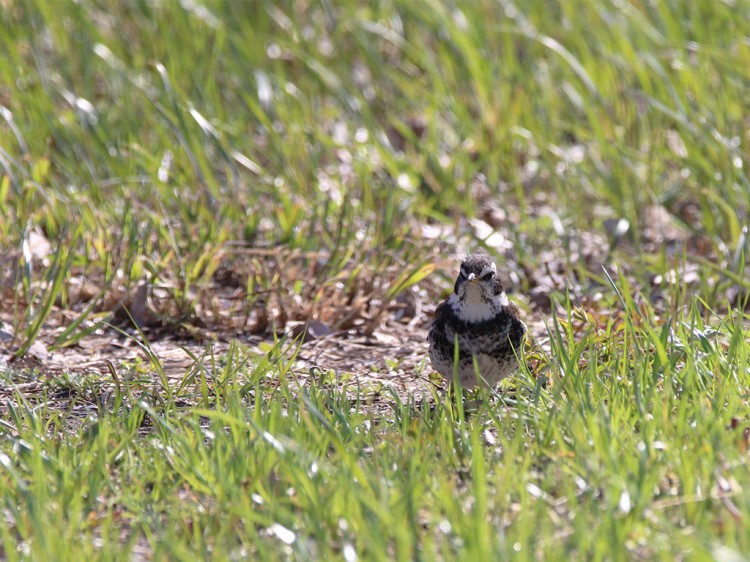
(462, 274)
(487, 276)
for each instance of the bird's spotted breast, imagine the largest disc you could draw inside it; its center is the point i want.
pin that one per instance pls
(494, 342)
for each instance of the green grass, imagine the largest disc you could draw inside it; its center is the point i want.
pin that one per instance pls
(631, 455)
(304, 151)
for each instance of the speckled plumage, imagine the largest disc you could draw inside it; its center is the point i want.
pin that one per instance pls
(487, 325)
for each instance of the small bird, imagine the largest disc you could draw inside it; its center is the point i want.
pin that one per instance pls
(486, 325)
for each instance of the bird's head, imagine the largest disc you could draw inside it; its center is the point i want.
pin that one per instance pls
(477, 280)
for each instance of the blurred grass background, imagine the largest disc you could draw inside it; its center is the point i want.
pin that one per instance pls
(146, 140)
(163, 130)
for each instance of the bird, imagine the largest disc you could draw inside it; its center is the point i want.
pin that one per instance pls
(486, 326)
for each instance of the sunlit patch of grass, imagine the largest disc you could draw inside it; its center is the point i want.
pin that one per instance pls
(636, 444)
(284, 140)
(228, 169)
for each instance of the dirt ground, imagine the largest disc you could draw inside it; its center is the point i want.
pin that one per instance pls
(350, 323)
(353, 338)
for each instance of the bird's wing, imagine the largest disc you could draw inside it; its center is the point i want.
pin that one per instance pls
(438, 317)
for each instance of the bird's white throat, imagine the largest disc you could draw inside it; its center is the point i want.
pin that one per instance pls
(473, 307)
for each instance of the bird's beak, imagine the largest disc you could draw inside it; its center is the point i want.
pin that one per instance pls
(471, 277)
